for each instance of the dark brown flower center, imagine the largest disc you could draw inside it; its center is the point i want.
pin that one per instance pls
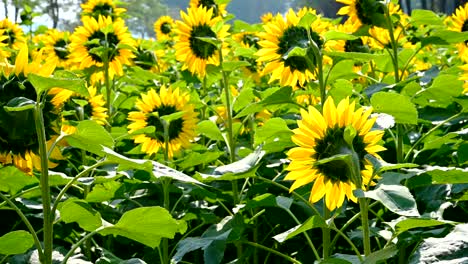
(99, 39)
(61, 50)
(175, 127)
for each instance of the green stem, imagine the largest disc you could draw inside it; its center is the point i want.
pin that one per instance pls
(12, 197)
(316, 254)
(272, 251)
(319, 59)
(399, 147)
(363, 205)
(25, 220)
(355, 249)
(44, 183)
(108, 91)
(326, 233)
(77, 244)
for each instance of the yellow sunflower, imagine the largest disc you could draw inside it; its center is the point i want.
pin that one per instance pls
(320, 136)
(103, 32)
(164, 28)
(459, 22)
(107, 8)
(77, 108)
(56, 47)
(193, 52)
(267, 17)
(18, 138)
(381, 37)
(280, 36)
(12, 36)
(218, 9)
(153, 105)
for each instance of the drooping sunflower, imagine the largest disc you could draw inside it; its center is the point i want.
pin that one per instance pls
(218, 9)
(12, 36)
(192, 51)
(363, 12)
(77, 108)
(320, 136)
(96, 8)
(459, 22)
(151, 107)
(280, 36)
(164, 28)
(103, 32)
(18, 138)
(56, 47)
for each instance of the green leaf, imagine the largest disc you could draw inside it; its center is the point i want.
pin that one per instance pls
(438, 175)
(295, 52)
(341, 89)
(103, 192)
(274, 134)
(280, 96)
(412, 223)
(161, 170)
(437, 95)
(445, 37)
(127, 163)
(380, 255)
(307, 20)
(229, 66)
(173, 116)
(74, 210)
(421, 17)
(213, 41)
(401, 108)
(381, 165)
(90, 136)
(396, 198)
(462, 153)
(16, 242)
(240, 169)
(196, 158)
(58, 178)
(19, 104)
(337, 35)
(313, 222)
(210, 130)
(13, 180)
(359, 56)
(42, 84)
(284, 202)
(146, 225)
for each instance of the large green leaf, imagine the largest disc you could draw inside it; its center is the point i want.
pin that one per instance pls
(15, 242)
(90, 136)
(240, 169)
(382, 254)
(396, 198)
(210, 130)
(13, 180)
(438, 95)
(103, 192)
(438, 175)
(74, 210)
(425, 17)
(412, 223)
(381, 165)
(42, 84)
(401, 107)
(278, 97)
(146, 225)
(313, 222)
(275, 135)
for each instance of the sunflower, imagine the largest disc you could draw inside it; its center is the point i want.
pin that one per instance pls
(218, 9)
(381, 37)
(151, 107)
(280, 36)
(192, 51)
(249, 40)
(95, 34)
(322, 136)
(459, 22)
(363, 12)
(267, 17)
(164, 28)
(12, 36)
(18, 138)
(106, 8)
(56, 47)
(77, 108)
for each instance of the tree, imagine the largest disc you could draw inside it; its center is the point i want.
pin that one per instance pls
(142, 14)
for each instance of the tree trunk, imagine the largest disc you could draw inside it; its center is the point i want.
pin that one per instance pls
(5, 5)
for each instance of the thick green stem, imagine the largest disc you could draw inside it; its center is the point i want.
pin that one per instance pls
(272, 251)
(25, 220)
(363, 205)
(44, 183)
(326, 234)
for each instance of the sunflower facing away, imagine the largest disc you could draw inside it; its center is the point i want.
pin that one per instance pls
(280, 36)
(95, 34)
(164, 28)
(18, 138)
(78, 108)
(218, 9)
(153, 105)
(12, 36)
(362, 12)
(96, 8)
(322, 136)
(192, 51)
(459, 23)
(56, 47)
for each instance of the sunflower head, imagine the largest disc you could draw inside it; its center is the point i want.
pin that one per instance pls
(364, 12)
(194, 52)
(218, 9)
(56, 47)
(106, 8)
(281, 36)
(321, 140)
(164, 28)
(151, 108)
(11, 36)
(100, 40)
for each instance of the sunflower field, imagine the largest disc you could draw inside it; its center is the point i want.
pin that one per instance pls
(300, 139)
